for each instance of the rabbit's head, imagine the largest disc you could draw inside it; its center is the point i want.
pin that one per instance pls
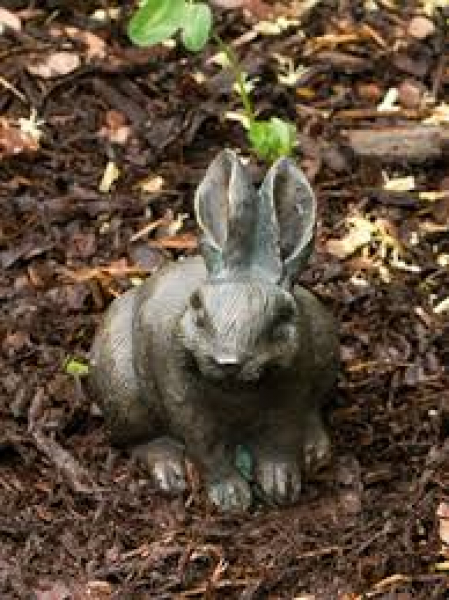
(243, 322)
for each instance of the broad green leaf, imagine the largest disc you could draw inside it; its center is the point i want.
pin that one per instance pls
(76, 367)
(156, 21)
(272, 139)
(196, 26)
(286, 135)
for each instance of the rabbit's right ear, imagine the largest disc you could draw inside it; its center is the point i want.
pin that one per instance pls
(225, 207)
(288, 205)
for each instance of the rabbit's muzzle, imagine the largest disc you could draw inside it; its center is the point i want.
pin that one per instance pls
(234, 371)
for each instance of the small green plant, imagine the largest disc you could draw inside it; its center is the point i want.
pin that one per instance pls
(75, 367)
(158, 20)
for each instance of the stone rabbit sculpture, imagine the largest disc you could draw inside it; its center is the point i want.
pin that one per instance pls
(220, 350)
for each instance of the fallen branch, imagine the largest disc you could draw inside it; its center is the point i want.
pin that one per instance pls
(400, 144)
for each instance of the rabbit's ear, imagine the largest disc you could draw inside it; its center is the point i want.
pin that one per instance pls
(225, 207)
(287, 217)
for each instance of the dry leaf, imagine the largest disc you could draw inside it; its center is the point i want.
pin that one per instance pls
(106, 14)
(360, 234)
(57, 591)
(32, 126)
(431, 6)
(256, 7)
(115, 128)
(400, 184)
(96, 46)
(443, 530)
(175, 225)
(98, 590)
(440, 308)
(9, 20)
(429, 196)
(275, 26)
(440, 115)
(389, 101)
(110, 175)
(14, 140)
(421, 27)
(152, 184)
(184, 241)
(55, 65)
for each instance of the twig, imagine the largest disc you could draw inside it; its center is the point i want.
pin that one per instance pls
(77, 476)
(219, 585)
(9, 86)
(238, 75)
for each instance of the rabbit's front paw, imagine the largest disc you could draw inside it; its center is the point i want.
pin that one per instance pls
(279, 478)
(230, 493)
(164, 459)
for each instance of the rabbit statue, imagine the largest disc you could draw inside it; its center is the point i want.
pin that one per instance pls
(221, 350)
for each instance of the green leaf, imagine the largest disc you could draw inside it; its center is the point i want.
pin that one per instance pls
(196, 26)
(272, 139)
(76, 367)
(156, 21)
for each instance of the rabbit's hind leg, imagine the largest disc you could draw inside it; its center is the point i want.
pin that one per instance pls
(317, 452)
(165, 461)
(112, 381)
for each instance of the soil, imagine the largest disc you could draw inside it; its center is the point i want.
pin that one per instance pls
(79, 519)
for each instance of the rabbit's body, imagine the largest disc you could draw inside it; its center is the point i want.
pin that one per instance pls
(204, 362)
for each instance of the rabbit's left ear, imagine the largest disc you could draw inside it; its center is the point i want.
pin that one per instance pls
(287, 202)
(226, 210)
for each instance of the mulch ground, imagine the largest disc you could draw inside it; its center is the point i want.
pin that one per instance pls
(79, 519)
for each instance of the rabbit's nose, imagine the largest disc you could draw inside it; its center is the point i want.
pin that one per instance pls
(231, 365)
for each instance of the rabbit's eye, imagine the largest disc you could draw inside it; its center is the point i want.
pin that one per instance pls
(200, 319)
(195, 301)
(285, 314)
